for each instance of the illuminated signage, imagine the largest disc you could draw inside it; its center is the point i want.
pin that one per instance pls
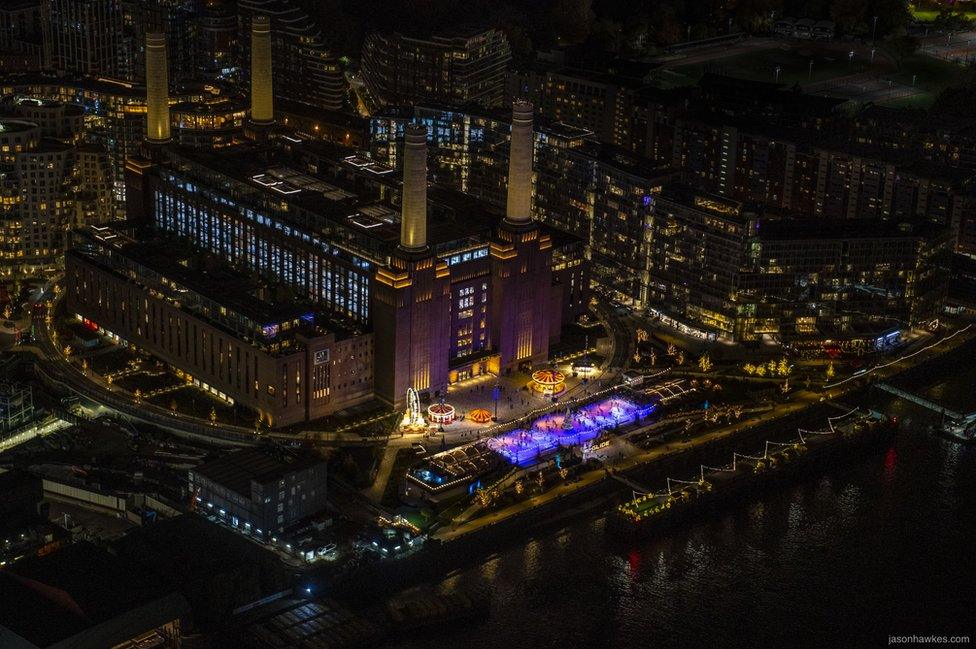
(321, 356)
(714, 206)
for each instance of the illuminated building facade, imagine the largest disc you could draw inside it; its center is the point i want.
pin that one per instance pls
(281, 359)
(600, 102)
(460, 68)
(596, 192)
(114, 113)
(722, 268)
(47, 186)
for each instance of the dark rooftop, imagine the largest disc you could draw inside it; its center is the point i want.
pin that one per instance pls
(236, 471)
(70, 592)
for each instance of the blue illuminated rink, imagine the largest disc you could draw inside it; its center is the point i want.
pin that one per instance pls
(524, 447)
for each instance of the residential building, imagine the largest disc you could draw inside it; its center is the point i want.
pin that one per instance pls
(462, 67)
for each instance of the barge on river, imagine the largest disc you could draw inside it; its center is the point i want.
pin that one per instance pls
(778, 459)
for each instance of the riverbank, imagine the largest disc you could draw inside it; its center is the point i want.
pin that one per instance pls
(673, 460)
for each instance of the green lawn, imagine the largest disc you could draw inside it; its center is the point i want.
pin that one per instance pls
(928, 15)
(931, 74)
(794, 64)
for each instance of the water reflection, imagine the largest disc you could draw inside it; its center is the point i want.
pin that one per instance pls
(879, 546)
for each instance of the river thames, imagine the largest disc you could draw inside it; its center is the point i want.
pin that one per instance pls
(882, 544)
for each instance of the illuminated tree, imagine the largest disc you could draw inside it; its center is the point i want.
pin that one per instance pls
(831, 372)
(108, 379)
(771, 367)
(704, 363)
(785, 388)
(84, 364)
(653, 358)
(680, 358)
(641, 336)
(637, 357)
(784, 368)
(519, 487)
(760, 370)
(137, 394)
(672, 350)
(213, 416)
(67, 350)
(7, 312)
(749, 369)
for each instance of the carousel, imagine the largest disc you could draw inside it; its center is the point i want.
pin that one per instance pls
(479, 416)
(440, 413)
(548, 383)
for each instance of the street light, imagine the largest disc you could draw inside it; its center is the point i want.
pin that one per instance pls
(778, 69)
(810, 71)
(874, 28)
(872, 56)
(850, 58)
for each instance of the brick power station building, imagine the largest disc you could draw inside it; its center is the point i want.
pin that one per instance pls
(298, 278)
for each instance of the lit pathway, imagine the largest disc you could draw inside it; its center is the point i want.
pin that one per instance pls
(589, 479)
(378, 488)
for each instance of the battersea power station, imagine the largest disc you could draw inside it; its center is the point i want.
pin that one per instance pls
(298, 277)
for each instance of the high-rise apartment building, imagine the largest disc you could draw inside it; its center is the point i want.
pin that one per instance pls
(84, 37)
(453, 69)
(47, 186)
(306, 69)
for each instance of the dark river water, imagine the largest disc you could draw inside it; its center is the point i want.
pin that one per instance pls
(882, 544)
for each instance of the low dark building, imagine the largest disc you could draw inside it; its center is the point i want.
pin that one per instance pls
(84, 598)
(259, 491)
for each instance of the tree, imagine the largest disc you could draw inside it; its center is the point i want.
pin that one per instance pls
(704, 363)
(783, 368)
(572, 20)
(831, 372)
(903, 47)
(172, 405)
(672, 350)
(749, 369)
(213, 416)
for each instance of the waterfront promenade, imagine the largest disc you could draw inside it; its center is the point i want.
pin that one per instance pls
(800, 401)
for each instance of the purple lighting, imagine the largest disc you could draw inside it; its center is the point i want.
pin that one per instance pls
(524, 447)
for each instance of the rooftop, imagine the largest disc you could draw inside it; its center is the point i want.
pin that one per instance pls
(237, 470)
(81, 591)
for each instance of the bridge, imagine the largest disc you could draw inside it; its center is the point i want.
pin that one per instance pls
(925, 403)
(636, 486)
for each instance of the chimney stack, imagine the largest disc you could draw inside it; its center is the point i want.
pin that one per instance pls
(520, 164)
(157, 89)
(262, 93)
(413, 206)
